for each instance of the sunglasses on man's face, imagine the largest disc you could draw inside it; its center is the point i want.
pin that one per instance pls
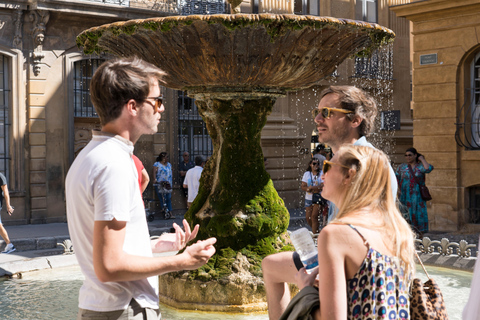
(327, 112)
(327, 165)
(158, 102)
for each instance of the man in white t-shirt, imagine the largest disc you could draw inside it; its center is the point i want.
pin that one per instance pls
(192, 179)
(106, 217)
(345, 115)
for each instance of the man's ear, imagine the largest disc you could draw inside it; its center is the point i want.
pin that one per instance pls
(132, 107)
(356, 121)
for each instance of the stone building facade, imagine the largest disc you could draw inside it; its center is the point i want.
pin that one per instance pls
(47, 117)
(446, 104)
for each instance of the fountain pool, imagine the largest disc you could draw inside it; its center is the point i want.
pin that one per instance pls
(53, 294)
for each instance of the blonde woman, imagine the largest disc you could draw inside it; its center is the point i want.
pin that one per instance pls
(366, 253)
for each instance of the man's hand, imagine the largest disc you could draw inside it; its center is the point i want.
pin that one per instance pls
(175, 241)
(198, 254)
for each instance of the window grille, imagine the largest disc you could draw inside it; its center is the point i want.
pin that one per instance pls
(366, 10)
(192, 132)
(82, 74)
(4, 116)
(378, 66)
(467, 133)
(474, 204)
(188, 7)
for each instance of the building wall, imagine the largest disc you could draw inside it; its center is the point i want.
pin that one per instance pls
(44, 131)
(450, 30)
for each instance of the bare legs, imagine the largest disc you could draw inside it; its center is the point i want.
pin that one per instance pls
(311, 214)
(278, 270)
(4, 234)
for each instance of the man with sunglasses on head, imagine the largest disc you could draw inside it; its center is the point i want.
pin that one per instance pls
(345, 115)
(106, 216)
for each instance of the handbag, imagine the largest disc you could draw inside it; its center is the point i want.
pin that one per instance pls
(424, 192)
(426, 299)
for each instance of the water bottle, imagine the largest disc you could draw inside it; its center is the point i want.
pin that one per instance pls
(303, 243)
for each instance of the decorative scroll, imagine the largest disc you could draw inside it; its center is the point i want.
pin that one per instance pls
(445, 247)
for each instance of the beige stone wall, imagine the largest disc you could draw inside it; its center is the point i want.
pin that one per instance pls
(450, 30)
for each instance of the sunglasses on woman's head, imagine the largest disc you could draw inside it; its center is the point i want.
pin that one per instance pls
(326, 112)
(327, 165)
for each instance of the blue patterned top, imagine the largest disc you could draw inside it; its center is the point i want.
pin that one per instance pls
(164, 173)
(377, 290)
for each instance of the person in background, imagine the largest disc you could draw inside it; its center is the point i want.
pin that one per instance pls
(105, 212)
(367, 250)
(192, 179)
(9, 248)
(409, 176)
(344, 116)
(320, 154)
(162, 171)
(312, 184)
(183, 167)
(143, 178)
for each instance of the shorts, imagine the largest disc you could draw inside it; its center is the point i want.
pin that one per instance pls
(308, 203)
(296, 260)
(134, 312)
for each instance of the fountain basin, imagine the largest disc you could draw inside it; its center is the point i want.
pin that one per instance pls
(242, 51)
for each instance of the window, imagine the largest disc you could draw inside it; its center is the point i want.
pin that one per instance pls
(378, 66)
(307, 7)
(188, 7)
(82, 74)
(192, 131)
(474, 204)
(366, 10)
(4, 116)
(468, 119)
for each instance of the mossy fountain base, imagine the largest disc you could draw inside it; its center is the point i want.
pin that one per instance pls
(235, 66)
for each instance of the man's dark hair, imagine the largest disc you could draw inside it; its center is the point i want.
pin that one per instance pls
(199, 160)
(357, 100)
(117, 81)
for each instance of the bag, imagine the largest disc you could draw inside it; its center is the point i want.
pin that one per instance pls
(166, 185)
(316, 199)
(425, 193)
(426, 300)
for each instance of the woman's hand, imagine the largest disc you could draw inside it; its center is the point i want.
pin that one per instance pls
(304, 279)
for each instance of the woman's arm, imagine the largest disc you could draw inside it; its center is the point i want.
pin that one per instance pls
(305, 187)
(428, 167)
(332, 279)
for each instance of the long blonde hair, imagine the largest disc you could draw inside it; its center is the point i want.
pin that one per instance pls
(371, 189)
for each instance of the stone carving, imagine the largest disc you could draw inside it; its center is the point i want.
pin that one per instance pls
(39, 19)
(67, 246)
(17, 39)
(445, 247)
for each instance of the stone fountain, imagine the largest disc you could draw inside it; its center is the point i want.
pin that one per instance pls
(235, 66)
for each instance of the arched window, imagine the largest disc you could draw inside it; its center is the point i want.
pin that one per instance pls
(473, 204)
(5, 107)
(468, 119)
(82, 74)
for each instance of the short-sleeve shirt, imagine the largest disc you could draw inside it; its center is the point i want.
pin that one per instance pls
(192, 181)
(185, 167)
(311, 180)
(102, 185)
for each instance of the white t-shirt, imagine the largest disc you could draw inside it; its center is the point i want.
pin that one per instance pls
(192, 181)
(311, 180)
(102, 185)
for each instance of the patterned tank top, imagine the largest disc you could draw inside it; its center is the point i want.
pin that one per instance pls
(377, 291)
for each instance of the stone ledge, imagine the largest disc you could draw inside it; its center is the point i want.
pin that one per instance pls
(451, 261)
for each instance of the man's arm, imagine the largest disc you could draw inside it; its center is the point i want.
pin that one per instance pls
(6, 195)
(112, 263)
(145, 179)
